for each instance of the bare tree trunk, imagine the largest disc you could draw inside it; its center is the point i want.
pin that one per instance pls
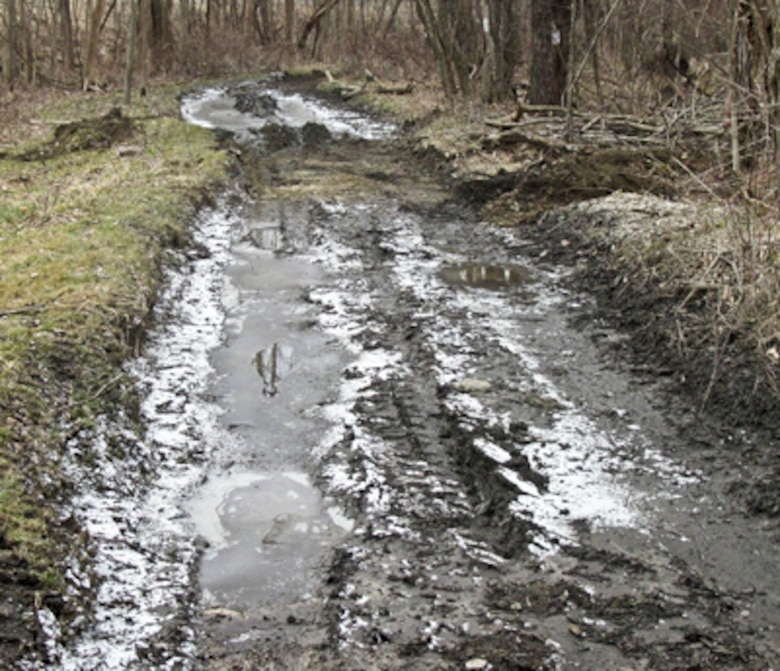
(185, 18)
(66, 28)
(774, 85)
(501, 49)
(744, 103)
(160, 32)
(571, 82)
(10, 66)
(393, 14)
(24, 25)
(463, 40)
(144, 14)
(93, 43)
(455, 36)
(266, 22)
(248, 21)
(437, 43)
(590, 16)
(131, 40)
(550, 24)
(733, 91)
(289, 21)
(314, 20)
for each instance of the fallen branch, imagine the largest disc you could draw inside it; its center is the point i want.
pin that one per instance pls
(397, 90)
(20, 311)
(513, 137)
(509, 125)
(523, 108)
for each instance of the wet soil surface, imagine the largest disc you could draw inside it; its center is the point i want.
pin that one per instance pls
(381, 437)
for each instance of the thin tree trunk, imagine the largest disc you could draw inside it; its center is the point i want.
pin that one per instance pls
(437, 44)
(131, 40)
(266, 22)
(24, 24)
(315, 19)
(590, 12)
(9, 71)
(289, 21)
(144, 14)
(66, 27)
(733, 90)
(570, 67)
(774, 73)
(393, 14)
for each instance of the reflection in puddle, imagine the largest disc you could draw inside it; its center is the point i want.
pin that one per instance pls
(487, 275)
(272, 364)
(267, 533)
(266, 237)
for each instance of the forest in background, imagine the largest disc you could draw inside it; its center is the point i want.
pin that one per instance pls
(714, 64)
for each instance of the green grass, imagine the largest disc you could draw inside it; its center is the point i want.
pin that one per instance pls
(82, 237)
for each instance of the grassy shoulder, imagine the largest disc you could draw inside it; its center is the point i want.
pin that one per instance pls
(83, 233)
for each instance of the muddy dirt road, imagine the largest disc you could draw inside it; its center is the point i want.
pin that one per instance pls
(377, 441)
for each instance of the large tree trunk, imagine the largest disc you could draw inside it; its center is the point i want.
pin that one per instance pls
(551, 25)
(161, 32)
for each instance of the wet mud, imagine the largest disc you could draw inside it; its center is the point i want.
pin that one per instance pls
(387, 437)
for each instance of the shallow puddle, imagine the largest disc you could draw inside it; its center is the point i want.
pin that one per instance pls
(267, 527)
(266, 534)
(495, 276)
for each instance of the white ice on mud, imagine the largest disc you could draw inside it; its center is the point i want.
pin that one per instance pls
(215, 108)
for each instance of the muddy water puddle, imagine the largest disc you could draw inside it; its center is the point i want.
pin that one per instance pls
(486, 275)
(266, 534)
(267, 531)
